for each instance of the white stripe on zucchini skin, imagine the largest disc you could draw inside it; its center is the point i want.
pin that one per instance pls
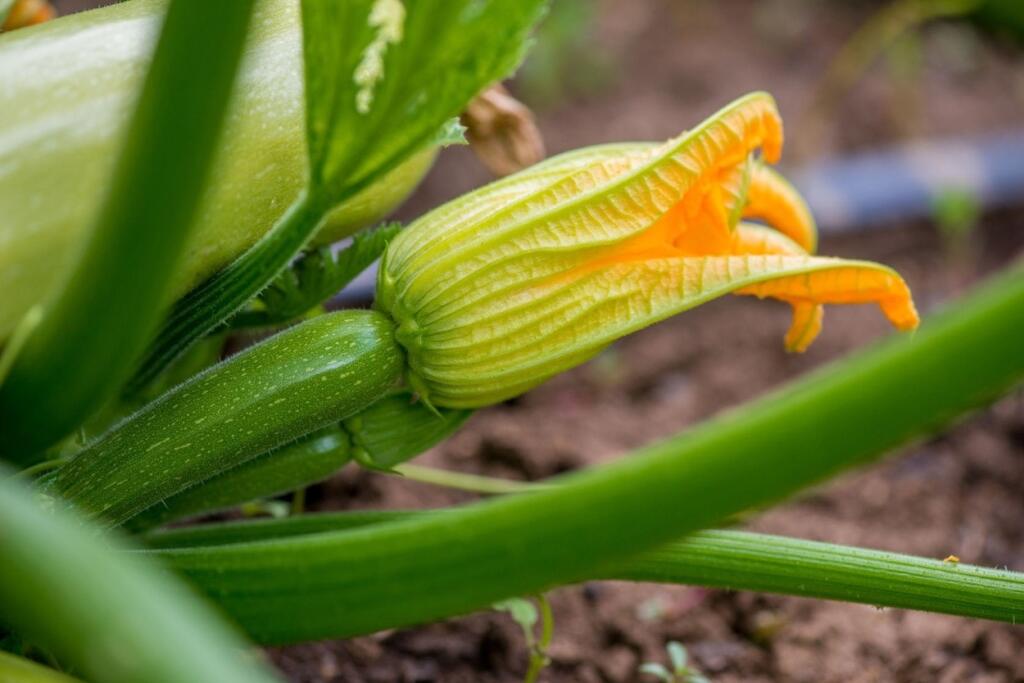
(292, 384)
(66, 89)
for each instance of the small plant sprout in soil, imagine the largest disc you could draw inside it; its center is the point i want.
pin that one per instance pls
(678, 671)
(526, 615)
(170, 180)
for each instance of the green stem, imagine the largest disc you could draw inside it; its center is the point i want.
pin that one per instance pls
(87, 341)
(40, 468)
(298, 501)
(256, 530)
(211, 303)
(19, 670)
(115, 616)
(735, 560)
(455, 561)
(539, 652)
(473, 483)
(775, 564)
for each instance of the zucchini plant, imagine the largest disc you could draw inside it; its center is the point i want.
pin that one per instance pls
(247, 143)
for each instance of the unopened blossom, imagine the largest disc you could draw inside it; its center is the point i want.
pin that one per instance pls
(502, 288)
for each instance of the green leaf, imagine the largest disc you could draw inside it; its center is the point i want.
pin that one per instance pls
(522, 611)
(116, 617)
(677, 655)
(449, 50)
(463, 559)
(656, 670)
(315, 277)
(451, 133)
(86, 344)
(382, 76)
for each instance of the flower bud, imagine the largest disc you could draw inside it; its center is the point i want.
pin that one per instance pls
(502, 288)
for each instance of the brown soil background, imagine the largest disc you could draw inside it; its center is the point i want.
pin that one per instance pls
(665, 65)
(956, 493)
(646, 69)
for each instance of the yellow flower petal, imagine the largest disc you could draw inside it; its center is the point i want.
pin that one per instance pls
(487, 355)
(467, 253)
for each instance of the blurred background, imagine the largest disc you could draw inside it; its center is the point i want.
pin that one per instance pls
(905, 129)
(849, 77)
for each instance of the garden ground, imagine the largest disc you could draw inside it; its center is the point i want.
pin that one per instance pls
(650, 69)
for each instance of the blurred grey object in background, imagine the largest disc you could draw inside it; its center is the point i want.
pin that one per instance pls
(873, 189)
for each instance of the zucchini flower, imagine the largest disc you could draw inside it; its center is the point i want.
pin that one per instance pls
(505, 287)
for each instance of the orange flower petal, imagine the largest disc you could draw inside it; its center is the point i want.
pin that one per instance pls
(853, 283)
(805, 327)
(772, 199)
(28, 12)
(807, 316)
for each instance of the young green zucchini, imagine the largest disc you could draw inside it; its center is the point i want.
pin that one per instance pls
(292, 384)
(392, 430)
(66, 90)
(304, 462)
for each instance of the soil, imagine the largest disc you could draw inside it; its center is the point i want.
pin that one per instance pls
(957, 493)
(661, 66)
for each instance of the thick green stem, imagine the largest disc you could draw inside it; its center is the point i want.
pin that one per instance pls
(114, 616)
(734, 560)
(456, 561)
(256, 530)
(88, 339)
(304, 379)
